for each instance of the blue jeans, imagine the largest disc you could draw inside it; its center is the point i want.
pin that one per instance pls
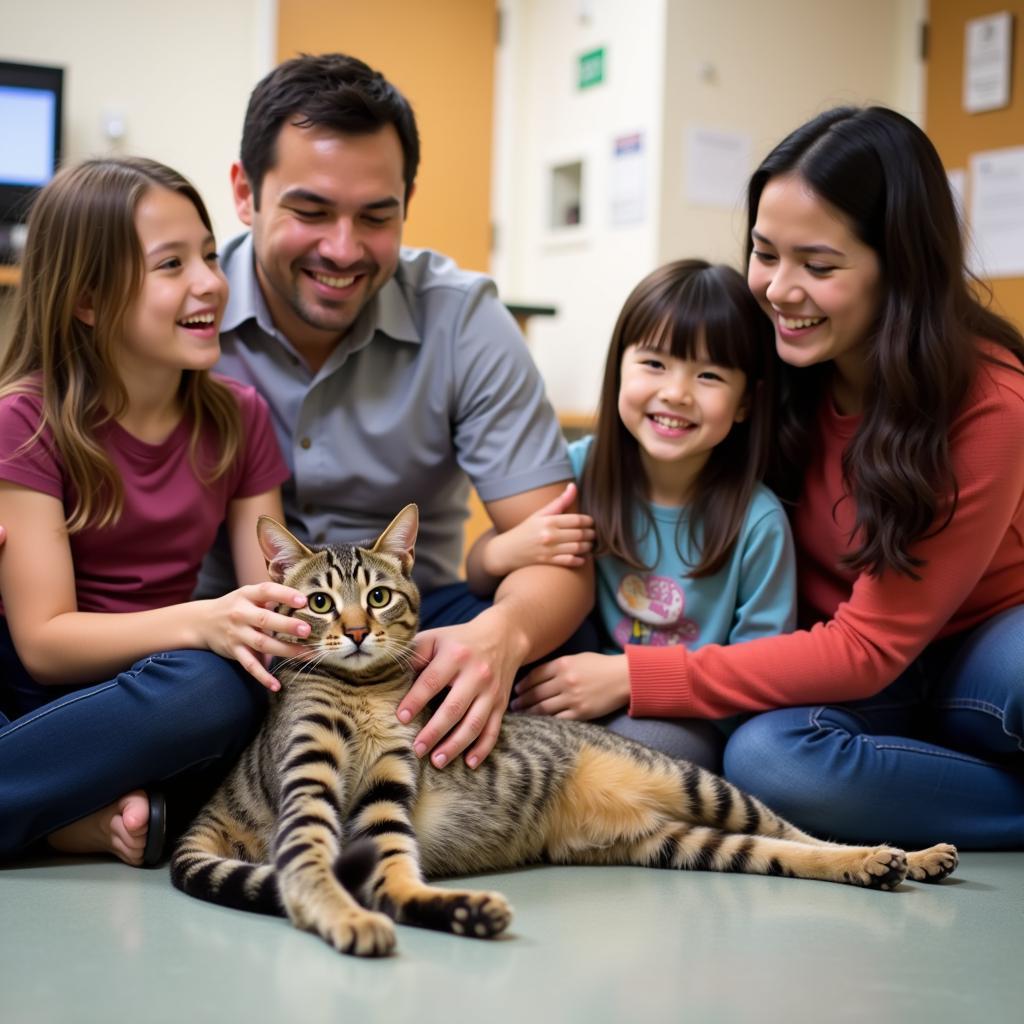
(935, 757)
(177, 719)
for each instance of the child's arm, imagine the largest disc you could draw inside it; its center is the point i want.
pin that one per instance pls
(766, 602)
(250, 565)
(60, 645)
(551, 536)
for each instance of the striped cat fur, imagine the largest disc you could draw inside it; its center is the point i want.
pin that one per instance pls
(330, 818)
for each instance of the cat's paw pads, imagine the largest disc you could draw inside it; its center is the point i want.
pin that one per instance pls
(361, 933)
(884, 867)
(933, 864)
(480, 915)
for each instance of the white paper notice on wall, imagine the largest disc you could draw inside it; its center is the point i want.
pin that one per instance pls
(717, 167)
(997, 211)
(988, 45)
(628, 180)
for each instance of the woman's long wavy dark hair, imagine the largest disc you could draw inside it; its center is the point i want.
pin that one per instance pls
(679, 309)
(883, 173)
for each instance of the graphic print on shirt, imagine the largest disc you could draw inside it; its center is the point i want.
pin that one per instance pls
(654, 612)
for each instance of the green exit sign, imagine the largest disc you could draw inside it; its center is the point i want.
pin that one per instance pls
(591, 69)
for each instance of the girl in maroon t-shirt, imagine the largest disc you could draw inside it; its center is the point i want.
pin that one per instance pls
(120, 457)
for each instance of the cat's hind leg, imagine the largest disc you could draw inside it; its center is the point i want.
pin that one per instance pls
(618, 807)
(699, 848)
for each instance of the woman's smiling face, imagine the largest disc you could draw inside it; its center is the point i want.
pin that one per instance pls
(818, 282)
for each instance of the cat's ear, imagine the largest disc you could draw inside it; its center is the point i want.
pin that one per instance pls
(399, 539)
(281, 550)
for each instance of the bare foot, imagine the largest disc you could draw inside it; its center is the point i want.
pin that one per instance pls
(119, 828)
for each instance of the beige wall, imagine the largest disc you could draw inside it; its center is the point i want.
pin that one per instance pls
(774, 64)
(180, 75)
(752, 67)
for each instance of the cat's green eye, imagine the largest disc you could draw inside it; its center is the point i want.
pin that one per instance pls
(320, 603)
(378, 597)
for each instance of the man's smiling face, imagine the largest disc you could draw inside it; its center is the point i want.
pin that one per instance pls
(328, 229)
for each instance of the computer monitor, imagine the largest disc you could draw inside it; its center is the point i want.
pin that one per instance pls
(30, 127)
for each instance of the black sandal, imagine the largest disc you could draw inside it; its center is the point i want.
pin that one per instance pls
(156, 836)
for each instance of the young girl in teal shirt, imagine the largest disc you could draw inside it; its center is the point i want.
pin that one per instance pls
(690, 547)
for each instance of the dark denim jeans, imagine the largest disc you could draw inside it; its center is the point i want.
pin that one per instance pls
(938, 756)
(177, 719)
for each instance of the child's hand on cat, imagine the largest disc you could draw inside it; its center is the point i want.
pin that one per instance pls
(580, 686)
(241, 625)
(551, 536)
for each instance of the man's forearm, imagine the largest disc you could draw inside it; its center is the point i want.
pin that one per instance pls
(545, 604)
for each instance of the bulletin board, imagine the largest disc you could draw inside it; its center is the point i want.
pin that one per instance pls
(956, 133)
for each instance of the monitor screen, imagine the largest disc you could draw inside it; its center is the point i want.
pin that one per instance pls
(30, 126)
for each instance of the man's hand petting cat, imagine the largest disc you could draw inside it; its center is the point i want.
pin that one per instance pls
(581, 686)
(239, 625)
(478, 661)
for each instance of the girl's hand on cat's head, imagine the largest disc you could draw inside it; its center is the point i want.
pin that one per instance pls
(580, 686)
(243, 625)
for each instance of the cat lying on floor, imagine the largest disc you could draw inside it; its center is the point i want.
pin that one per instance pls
(330, 818)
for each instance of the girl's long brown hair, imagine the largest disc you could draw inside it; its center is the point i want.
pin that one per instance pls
(883, 173)
(83, 245)
(679, 309)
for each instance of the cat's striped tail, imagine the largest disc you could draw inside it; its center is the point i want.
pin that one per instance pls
(243, 886)
(224, 880)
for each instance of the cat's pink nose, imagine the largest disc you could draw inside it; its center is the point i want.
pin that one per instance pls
(357, 634)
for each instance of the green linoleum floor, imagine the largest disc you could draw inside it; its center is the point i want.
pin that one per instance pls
(89, 941)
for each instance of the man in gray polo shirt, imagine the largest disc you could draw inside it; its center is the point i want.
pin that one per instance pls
(391, 375)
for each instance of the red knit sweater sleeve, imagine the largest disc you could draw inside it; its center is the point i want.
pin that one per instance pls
(973, 569)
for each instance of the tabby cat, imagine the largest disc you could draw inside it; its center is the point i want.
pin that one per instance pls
(330, 817)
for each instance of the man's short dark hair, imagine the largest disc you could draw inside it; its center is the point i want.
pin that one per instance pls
(330, 90)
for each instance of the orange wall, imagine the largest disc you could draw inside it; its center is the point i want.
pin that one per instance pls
(956, 133)
(440, 53)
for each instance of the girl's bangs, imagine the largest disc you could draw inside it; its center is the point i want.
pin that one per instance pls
(696, 323)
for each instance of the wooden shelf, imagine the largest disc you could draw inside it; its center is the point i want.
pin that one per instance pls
(9, 276)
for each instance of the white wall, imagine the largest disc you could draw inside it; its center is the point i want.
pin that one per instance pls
(760, 68)
(546, 120)
(180, 74)
(753, 67)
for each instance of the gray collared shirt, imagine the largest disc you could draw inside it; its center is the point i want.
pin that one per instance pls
(432, 385)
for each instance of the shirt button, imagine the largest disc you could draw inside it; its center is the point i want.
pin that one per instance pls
(306, 443)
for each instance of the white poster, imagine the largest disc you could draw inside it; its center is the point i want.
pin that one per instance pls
(628, 180)
(987, 50)
(997, 211)
(717, 167)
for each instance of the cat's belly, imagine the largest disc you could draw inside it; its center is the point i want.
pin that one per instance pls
(496, 816)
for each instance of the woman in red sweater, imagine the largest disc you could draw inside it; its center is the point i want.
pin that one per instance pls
(902, 453)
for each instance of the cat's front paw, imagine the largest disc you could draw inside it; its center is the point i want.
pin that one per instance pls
(933, 864)
(360, 933)
(883, 867)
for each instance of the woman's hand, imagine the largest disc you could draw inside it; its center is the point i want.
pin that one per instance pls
(241, 624)
(550, 536)
(580, 686)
